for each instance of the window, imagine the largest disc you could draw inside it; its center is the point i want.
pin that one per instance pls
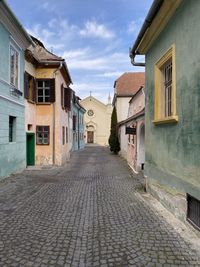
(45, 90)
(14, 66)
(193, 211)
(63, 135)
(165, 89)
(74, 122)
(66, 135)
(12, 129)
(42, 135)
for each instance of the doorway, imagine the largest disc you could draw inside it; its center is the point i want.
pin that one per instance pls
(141, 148)
(30, 149)
(90, 137)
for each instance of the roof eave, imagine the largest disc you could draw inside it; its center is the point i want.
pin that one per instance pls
(158, 16)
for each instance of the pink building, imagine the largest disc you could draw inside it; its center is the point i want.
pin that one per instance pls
(132, 132)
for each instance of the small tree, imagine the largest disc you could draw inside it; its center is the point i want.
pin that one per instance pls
(113, 139)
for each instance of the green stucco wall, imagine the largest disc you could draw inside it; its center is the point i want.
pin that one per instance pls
(12, 154)
(173, 150)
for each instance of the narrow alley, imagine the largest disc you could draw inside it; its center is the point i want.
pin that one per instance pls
(83, 215)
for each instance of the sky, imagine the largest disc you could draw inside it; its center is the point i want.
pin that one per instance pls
(93, 36)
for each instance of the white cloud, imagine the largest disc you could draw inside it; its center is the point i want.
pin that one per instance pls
(110, 74)
(85, 59)
(49, 7)
(93, 29)
(134, 26)
(100, 91)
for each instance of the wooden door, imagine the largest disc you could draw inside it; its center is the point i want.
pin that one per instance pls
(30, 149)
(90, 137)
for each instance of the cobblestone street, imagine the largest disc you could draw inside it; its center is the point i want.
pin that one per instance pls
(85, 214)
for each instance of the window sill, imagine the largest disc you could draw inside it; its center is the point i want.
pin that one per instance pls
(44, 104)
(167, 120)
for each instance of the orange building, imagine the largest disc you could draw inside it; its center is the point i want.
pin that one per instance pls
(48, 97)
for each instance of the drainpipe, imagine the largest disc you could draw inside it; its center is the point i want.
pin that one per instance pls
(54, 117)
(78, 129)
(148, 20)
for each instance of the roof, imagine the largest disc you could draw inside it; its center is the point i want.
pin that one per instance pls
(134, 117)
(40, 53)
(129, 83)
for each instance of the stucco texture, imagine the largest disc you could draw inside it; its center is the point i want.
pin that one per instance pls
(173, 150)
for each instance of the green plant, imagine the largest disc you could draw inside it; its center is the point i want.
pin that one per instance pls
(113, 139)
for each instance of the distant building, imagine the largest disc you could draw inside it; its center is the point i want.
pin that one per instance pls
(97, 120)
(13, 42)
(124, 88)
(132, 132)
(48, 107)
(78, 124)
(170, 41)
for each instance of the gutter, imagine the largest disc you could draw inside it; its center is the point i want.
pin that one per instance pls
(155, 7)
(54, 118)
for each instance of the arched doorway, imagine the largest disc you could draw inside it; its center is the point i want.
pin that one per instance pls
(90, 134)
(141, 147)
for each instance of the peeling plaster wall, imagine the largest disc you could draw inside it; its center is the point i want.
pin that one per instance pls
(173, 150)
(12, 154)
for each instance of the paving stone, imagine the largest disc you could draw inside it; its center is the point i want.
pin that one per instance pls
(85, 214)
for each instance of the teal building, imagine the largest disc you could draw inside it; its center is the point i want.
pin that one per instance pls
(78, 124)
(13, 42)
(170, 41)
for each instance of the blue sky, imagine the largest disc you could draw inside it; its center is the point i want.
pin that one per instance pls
(93, 36)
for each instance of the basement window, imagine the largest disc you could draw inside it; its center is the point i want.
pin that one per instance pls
(193, 211)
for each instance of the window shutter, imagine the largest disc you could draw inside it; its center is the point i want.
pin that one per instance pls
(62, 96)
(26, 85)
(52, 90)
(67, 98)
(34, 89)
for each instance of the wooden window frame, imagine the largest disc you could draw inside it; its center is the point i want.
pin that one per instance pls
(14, 70)
(12, 129)
(43, 132)
(160, 115)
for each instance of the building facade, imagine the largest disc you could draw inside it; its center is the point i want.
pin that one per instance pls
(78, 124)
(172, 105)
(124, 88)
(48, 107)
(13, 42)
(132, 132)
(97, 120)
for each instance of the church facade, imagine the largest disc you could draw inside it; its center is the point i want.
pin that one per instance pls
(97, 119)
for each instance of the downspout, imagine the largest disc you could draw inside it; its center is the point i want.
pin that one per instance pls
(148, 20)
(54, 117)
(78, 129)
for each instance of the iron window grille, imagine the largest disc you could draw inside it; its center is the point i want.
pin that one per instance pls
(193, 211)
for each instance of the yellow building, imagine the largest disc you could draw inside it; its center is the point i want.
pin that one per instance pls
(97, 120)
(47, 107)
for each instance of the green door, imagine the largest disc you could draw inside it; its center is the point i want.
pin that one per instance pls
(30, 149)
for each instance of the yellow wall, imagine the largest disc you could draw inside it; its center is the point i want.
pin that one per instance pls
(44, 114)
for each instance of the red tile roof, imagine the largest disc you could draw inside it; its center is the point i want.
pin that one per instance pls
(129, 83)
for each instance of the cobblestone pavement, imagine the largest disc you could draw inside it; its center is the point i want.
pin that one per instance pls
(82, 215)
